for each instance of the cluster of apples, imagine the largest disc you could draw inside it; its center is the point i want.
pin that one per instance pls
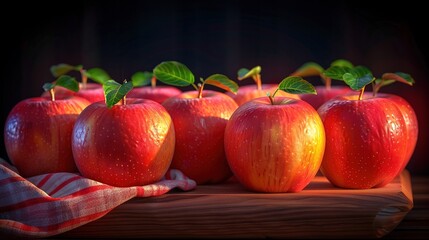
(272, 138)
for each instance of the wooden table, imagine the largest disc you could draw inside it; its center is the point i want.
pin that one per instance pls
(415, 224)
(228, 210)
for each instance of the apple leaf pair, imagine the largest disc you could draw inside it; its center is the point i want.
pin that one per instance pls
(96, 74)
(311, 69)
(254, 73)
(177, 74)
(357, 78)
(63, 81)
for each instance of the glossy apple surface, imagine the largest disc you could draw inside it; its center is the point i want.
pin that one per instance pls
(93, 92)
(126, 145)
(38, 132)
(249, 92)
(367, 141)
(200, 125)
(158, 94)
(324, 94)
(411, 123)
(275, 148)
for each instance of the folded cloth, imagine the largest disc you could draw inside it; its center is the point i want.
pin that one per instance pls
(50, 204)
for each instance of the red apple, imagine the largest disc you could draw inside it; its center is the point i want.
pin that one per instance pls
(93, 92)
(324, 94)
(37, 134)
(367, 140)
(276, 144)
(275, 147)
(125, 145)
(200, 124)
(249, 92)
(158, 94)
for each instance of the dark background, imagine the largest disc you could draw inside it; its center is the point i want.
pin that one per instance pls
(215, 37)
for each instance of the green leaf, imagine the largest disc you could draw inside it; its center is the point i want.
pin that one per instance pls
(174, 73)
(141, 78)
(244, 73)
(98, 75)
(406, 76)
(308, 69)
(342, 63)
(336, 72)
(63, 81)
(63, 68)
(358, 77)
(67, 82)
(114, 91)
(398, 77)
(223, 82)
(48, 86)
(296, 85)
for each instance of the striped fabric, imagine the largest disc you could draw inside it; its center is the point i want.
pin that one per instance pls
(54, 203)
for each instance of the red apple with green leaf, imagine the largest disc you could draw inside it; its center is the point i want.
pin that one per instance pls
(37, 132)
(199, 118)
(326, 92)
(249, 92)
(276, 144)
(93, 92)
(123, 142)
(156, 93)
(369, 138)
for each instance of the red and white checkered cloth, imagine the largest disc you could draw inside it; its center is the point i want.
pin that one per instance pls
(54, 203)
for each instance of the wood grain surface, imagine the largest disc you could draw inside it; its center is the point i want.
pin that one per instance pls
(228, 210)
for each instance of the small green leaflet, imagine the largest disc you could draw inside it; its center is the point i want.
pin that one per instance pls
(141, 78)
(308, 69)
(399, 77)
(296, 85)
(63, 68)
(244, 73)
(356, 77)
(98, 75)
(63, 81)
(222, 81)
(342, 63)
(174, 73)
(336, 72)
(114, 91)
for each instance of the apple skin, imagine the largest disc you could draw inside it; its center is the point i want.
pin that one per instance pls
(126, 145)
(366, 141)
(38, 132)
(249, 92)
(324, 94)
(275, 148)
(158, 94)
(411, 123)
(93, 92)
(200, 125)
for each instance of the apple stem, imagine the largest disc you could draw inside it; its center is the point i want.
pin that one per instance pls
(153, 82)
(84, 78)
(200, 90)
(52, 93)
(258, 81)
(328, 83)
(271, 97)
(361, 93)
(124, 100)
(376, 88)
